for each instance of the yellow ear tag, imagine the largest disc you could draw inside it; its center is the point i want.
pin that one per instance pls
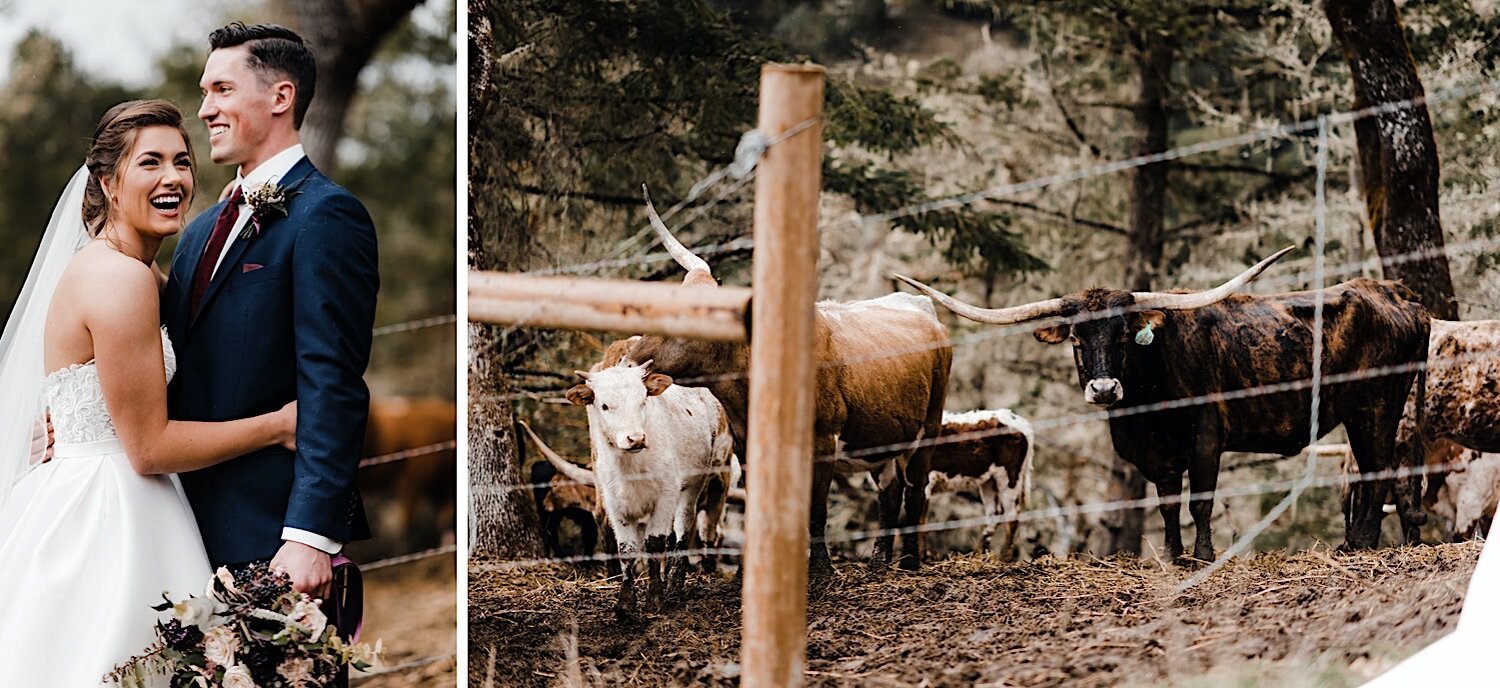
(1145, 336)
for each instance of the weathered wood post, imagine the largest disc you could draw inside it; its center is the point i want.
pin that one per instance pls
(782, 378)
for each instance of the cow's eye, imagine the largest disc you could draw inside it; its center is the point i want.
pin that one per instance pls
(604, 407)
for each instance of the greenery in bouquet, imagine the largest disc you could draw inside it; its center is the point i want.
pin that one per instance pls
(248, 631)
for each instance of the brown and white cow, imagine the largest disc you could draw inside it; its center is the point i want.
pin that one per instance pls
(994, 462)
(1154, 350)
(1461, 401)
(882, 376)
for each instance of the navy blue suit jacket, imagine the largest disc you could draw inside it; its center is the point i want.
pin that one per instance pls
(287, 316)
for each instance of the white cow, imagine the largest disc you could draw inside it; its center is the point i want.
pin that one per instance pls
(656, 447)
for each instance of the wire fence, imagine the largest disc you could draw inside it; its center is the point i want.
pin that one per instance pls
(1316, 385)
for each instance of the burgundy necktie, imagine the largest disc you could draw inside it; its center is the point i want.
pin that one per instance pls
(205, 272)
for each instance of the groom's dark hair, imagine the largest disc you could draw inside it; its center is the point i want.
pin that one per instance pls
(274, 50)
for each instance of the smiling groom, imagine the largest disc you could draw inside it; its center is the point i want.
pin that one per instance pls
(271, 298)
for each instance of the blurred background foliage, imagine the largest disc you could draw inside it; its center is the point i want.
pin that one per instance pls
(575, 104)
(396, 152)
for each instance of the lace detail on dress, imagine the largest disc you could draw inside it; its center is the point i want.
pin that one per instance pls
(76, 399)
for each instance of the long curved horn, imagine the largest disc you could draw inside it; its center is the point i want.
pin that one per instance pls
(575, 472)
(1199, 299)
(680, 253)
(993, 316)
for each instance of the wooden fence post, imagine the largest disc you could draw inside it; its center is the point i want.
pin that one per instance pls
(782, 380)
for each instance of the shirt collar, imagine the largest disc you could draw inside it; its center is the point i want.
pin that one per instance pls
(276, 167)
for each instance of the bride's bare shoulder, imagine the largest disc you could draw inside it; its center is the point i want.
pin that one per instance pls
(108, 279)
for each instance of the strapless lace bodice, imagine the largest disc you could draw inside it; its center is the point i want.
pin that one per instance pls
(77, 401)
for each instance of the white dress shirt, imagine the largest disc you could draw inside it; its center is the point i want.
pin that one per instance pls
(274, 169)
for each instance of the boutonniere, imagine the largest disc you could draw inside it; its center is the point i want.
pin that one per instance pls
(267, 200)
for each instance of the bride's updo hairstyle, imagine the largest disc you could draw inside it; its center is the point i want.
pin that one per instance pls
(113, 140)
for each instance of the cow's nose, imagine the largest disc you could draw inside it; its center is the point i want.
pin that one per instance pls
(636, 440)
(1104, 390)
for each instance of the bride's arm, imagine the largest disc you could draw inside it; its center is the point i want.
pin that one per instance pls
(127, 347)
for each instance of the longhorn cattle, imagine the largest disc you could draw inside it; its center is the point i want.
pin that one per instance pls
(882, 374)
(990, 456)
(1149, 348)
(656, 446)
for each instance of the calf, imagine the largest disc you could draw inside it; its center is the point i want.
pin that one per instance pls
(570, 492)
(560, 498)
(656, 448)
(1157, 349)
(994, 463)
(1470, 495)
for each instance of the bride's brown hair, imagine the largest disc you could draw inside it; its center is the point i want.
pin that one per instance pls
(113, 139)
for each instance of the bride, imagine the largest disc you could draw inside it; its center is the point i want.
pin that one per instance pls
(90, 539)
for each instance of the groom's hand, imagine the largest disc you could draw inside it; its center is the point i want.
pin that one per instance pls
(41, 442)
(310, 568)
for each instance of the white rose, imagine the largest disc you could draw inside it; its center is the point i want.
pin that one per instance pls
(194, 611)
(238, 676)
(297, 672)
(305, 612)
(220, 644)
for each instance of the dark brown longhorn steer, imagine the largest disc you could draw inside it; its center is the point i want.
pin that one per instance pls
(1146, 348)
(881, 381)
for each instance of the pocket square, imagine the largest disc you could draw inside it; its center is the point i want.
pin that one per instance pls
(250, 267)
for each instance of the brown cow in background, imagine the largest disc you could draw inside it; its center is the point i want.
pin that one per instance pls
(412, 500)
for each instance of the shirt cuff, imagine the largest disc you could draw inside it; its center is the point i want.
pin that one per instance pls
(311, 539)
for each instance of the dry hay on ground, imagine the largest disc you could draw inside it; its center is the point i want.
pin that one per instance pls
(1312, 618)
(412, 609)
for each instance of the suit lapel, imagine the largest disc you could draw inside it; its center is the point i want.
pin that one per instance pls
(189, 251)
(299, 171)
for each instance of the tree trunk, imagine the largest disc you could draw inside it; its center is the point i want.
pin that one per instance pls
(1148, 196)
(343, 35)
(502, 516)
(1398, 162)
(502, 519)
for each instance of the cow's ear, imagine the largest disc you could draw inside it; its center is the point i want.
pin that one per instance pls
(581, 395)
(656, 383)
(1052, 334)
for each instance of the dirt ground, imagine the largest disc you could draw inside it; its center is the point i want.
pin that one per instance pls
(412, 608)
(1311, 618)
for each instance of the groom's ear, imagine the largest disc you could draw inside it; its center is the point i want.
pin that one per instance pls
(286, 97)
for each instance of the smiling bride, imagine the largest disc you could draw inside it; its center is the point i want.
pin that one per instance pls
(93, 534)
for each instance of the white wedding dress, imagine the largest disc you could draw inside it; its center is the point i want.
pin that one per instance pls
(88, 546)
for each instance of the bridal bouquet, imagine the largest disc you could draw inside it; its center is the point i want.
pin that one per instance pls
(250, 632)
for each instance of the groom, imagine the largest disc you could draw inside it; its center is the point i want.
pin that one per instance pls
(269, 302)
